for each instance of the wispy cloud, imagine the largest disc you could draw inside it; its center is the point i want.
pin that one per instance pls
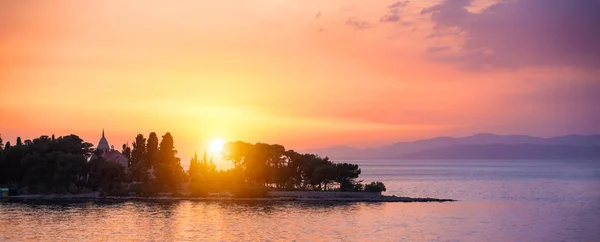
(358, 24)
(399, 4)
(393, 14)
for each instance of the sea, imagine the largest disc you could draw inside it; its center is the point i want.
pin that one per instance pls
(497, 201)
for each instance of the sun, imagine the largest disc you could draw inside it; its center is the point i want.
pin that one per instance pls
(216, 146)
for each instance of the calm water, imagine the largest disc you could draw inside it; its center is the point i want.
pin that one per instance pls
(500, 201)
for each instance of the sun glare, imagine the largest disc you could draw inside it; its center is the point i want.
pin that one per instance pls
(216, 146)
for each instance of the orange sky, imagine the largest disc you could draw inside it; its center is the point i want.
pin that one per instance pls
(304, 74)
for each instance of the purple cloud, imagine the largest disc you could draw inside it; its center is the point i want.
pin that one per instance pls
(523, 33)
(399, 4)
(393, 14)
(358, 24)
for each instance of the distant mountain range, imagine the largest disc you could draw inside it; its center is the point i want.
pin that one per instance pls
(479, 146)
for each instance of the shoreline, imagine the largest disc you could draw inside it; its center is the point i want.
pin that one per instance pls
(97, 197)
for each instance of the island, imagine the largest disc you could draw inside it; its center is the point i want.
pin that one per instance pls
(69, 168)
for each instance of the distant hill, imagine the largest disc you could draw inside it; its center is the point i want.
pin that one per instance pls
(508, 152)
(479, 146)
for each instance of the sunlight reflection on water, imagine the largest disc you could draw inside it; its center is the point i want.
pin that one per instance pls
(230, 221)
(555, 203)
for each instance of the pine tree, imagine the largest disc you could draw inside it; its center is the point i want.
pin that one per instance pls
(19, 142)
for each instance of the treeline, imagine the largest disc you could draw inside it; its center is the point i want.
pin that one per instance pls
(68, 164)
(259, 166)
(46, 164)
(154, 163)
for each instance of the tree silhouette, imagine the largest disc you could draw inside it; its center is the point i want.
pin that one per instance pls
(273, 166)
(168, 170)
(106, 175)
(68, 164)
(2, 165)
(45, 165)
(346, 174)
(152, 150)
(126, 151)
(375, 187)
(138, 170)
(202, 174)
(194, 170)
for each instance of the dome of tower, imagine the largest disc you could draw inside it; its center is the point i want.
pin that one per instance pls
(103, 144)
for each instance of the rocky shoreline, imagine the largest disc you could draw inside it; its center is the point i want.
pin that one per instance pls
(96, 196)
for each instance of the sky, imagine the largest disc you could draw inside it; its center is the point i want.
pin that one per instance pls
(301, 73)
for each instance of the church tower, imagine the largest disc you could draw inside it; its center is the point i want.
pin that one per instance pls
(103, 144)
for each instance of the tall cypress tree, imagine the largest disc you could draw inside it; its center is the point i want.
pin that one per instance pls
(19, 142)
(207, 166)
(169, 172)
(194, 170)
(139, 167)
(151, 150)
